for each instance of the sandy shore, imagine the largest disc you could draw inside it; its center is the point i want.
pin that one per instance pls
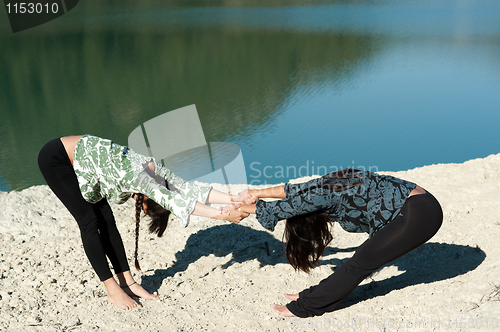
(216, 276)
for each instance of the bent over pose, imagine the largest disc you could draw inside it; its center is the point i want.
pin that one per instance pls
(85, 172)
(398, 215)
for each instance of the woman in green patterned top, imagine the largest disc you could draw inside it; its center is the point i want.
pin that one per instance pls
(86, 172)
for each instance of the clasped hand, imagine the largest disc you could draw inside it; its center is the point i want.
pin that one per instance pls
(232, 213)
(246, 197)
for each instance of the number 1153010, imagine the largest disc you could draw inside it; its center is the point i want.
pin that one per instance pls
(31, 8)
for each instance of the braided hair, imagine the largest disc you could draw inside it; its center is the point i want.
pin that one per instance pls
(159, 220)
(138, 208)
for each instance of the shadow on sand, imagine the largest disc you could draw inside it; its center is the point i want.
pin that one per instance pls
(428, 263)
(242, 243)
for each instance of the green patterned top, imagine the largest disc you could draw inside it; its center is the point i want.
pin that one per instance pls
(107, 170)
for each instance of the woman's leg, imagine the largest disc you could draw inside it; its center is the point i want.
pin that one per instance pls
(113, 246)
(110, 237)
(61, 178)
(58, 172)
(420, 219)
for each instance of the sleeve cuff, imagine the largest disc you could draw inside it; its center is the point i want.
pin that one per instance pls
(203, 194)
(184, 216)
(266, 219)
(191, 205)
(288, 188)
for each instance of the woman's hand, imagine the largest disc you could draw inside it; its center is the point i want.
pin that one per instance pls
(227, 208)
(282, 310)
(233, 214)
(251, 196)
(292, 297)
(248, 208)
(247, 197)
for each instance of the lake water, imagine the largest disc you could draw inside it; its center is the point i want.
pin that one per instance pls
(301, 87)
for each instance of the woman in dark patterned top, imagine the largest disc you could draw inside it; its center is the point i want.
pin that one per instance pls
(398, 215)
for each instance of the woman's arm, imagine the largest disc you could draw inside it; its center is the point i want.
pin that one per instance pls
(247, 196)
(269, 213)
(250, 196)
(176, 183)
(232, 215)
(218, 197)
(248, 208)
(215, 196)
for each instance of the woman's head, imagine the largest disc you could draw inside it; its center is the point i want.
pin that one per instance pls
(159, 219)
(306, 237)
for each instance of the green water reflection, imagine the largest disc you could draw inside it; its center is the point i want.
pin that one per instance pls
(107, 81)
(106, 67)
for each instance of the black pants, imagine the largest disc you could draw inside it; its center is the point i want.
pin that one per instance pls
(100, 236)
(420, 218)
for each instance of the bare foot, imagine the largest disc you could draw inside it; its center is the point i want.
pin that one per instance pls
(282, 310)
(136, 290)
(122, 300)
(117, 296)
(292, 297)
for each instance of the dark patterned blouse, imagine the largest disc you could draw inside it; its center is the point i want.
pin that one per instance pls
(366, 207)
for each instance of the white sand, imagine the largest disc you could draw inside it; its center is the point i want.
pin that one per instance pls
(218, 277)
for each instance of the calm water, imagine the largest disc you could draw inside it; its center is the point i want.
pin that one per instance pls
(301, 86)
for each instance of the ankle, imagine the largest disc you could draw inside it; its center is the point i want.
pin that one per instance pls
(112, 286)
(125, 278)
(127, 286)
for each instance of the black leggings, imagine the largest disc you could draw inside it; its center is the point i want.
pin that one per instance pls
(100, 236)
(420, 218)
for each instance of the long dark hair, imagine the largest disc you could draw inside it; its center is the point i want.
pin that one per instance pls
(308, 235)
(159, 220)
